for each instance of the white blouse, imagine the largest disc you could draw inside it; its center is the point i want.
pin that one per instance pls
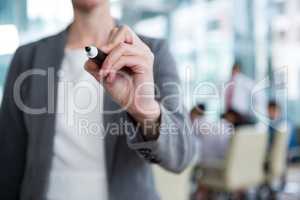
(78, 164)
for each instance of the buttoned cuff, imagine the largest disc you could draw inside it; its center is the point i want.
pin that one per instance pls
(153, 150)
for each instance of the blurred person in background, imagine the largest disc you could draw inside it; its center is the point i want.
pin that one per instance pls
(197, 112)
(277, 120)
(238, 96)
(214, 138)
(54, 155)
(236, 119)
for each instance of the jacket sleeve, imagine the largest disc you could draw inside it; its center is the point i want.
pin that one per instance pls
(13, 138)
(175, 147)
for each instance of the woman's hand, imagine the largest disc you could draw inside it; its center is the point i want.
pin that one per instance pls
(127, 74)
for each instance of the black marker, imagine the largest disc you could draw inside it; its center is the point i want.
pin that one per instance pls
(95, 54)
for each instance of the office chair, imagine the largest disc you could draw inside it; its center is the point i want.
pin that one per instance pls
(243, 166)
(277, 166)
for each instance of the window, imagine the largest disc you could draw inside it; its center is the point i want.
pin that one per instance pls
(281, 7)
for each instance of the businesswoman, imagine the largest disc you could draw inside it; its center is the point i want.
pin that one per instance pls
(71, 129)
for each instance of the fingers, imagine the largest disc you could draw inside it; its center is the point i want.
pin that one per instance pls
(134, 62)
(117, 36)
(121, 50)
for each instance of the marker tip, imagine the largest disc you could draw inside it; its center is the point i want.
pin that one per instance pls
(87, 48)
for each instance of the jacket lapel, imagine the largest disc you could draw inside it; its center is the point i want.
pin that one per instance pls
(48, 56)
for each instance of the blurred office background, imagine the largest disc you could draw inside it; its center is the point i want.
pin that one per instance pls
(205, 36)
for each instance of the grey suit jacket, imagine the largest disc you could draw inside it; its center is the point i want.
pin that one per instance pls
(26, 140)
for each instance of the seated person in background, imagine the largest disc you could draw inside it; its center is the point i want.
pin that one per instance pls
(237, 119)
(214, 136)
(277, 120)
(238, 96)
(197, 112)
